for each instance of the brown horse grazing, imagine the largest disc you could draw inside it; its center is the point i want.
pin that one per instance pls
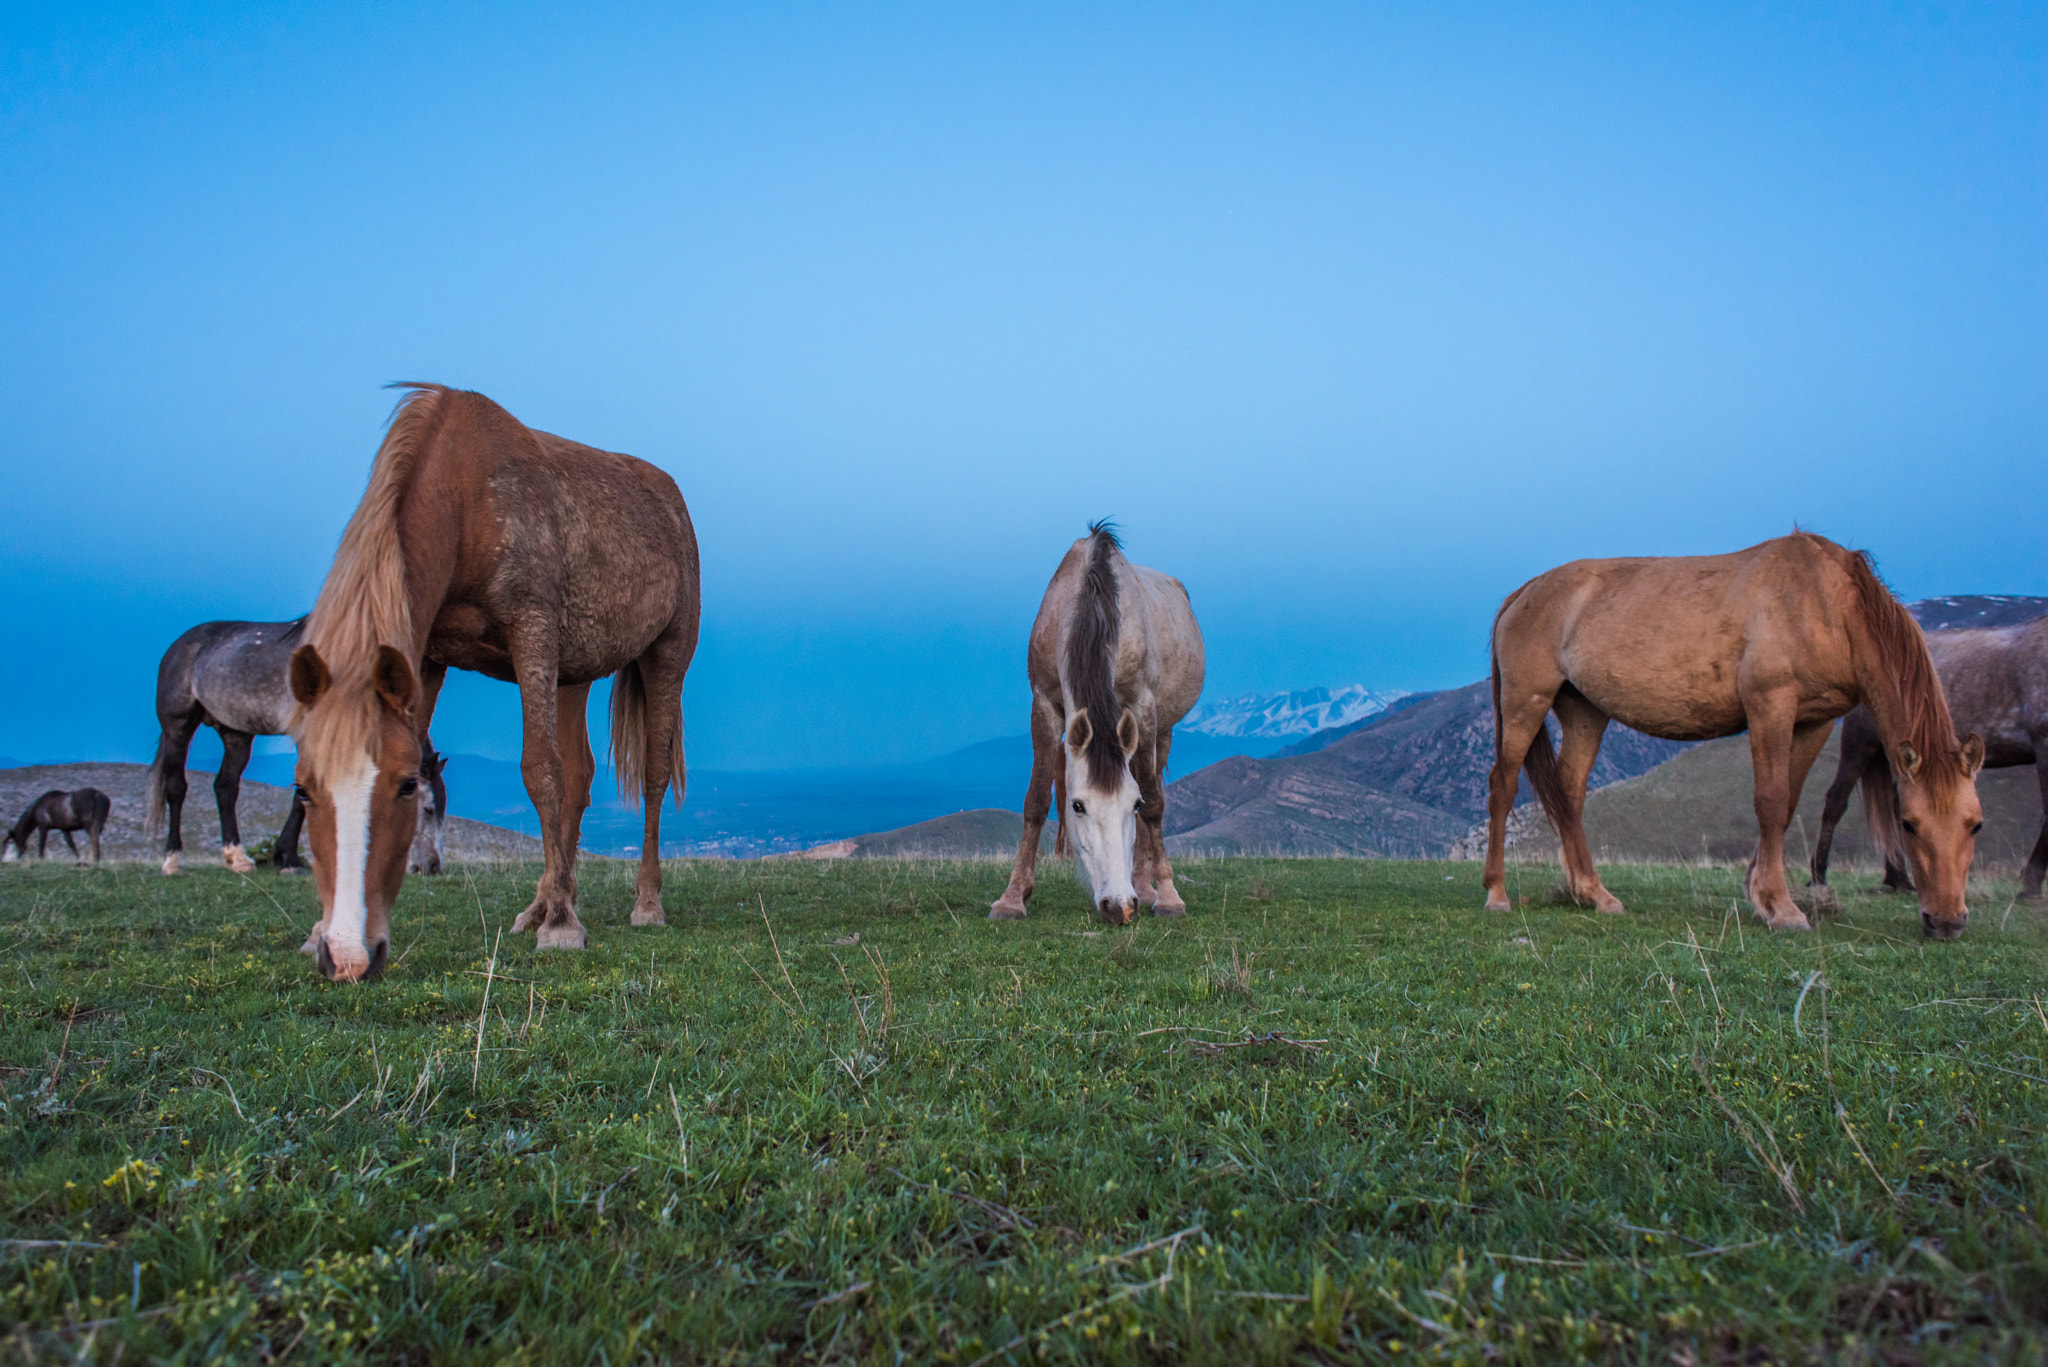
(82, 809)
(1780, 640)
(1996, 680)
(482, 544)
(1115, 660)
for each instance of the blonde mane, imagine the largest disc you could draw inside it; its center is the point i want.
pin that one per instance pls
(364, 603)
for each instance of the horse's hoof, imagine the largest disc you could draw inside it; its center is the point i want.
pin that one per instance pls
(1609, 905)
(1007, 911)
(565, 936)
(1794, 920)
(292, 870)
(1169, 908)
(1497, 901)
(173, 865)
(234, 857)
(649, 914)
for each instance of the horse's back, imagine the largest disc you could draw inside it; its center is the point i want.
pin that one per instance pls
(1669, 644)
(1996, 679)
(1177, 640)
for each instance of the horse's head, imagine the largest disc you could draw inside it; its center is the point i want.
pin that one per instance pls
(1102, 807)
(14, 845)
(362, 803)
(430, 845)
(1939, 815)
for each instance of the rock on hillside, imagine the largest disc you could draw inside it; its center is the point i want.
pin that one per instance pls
(261, 811)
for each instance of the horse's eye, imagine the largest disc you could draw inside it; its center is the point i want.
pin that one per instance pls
(1079, 810)
(1976, 827)
(1912, 827)
(407, 787)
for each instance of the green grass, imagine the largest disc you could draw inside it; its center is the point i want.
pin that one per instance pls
(1535, 1137)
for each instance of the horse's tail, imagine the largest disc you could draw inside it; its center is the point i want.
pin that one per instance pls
(629, 738)
(1540, 763)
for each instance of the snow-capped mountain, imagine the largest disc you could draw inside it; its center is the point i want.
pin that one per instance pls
(1272, 716)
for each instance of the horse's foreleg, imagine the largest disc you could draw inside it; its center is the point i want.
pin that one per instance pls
(285, 855)
(227, 792)
(552, 914)
(1583, 726)
(1156, 868)
(1848, 774)
(71, 844)
(1517, 729)
(1045, 744)
(171, 749)
(1782, 754)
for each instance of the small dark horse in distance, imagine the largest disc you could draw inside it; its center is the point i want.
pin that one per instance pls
(82, 809)
(1996, 679)
(232, 676)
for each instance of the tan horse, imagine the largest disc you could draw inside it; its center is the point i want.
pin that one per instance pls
(1115, 660)
(1779, 640)
(484, 545)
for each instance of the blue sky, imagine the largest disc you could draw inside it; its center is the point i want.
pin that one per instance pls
(1354, 316)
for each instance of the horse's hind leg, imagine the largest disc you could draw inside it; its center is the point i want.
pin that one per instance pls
(227, 792)
(1522, 717)
(1045, 755)
(2037, 862)
(1583, 726)
(662, 745)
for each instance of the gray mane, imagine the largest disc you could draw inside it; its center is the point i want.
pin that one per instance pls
(1091, 656)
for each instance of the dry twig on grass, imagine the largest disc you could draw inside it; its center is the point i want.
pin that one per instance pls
(1211, 1048)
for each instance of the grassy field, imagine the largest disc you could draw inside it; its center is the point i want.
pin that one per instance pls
(751, 1137)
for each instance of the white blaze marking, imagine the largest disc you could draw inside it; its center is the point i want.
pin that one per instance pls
(350, 915)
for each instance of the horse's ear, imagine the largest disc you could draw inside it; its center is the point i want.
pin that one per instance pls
(1127, 733)
(1907, 761)
(1973, 754)
(1078, 731)
(309, 676)
(393, 680)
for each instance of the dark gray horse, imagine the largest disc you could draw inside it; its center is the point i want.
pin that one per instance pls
(231, 676)
(82, 809)
(1996, 680)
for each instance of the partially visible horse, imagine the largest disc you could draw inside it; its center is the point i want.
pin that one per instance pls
(482, 544)
(232, 676)
(1780, 640)
(1115, 659)
(82, 809)
(1996, 680)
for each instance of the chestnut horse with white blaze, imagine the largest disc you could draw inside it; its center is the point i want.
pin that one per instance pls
(1779, 640)
(1115, 660)
(485, 545)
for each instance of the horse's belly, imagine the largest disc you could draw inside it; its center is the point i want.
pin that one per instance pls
(1701, 712)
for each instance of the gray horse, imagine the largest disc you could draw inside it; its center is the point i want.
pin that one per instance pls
(1996, 679)
(1115, 659)
(231, 676)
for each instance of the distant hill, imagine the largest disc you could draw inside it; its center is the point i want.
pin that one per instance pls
(1976, 610)
(1405, 784)
(989, 833)
(261, 811)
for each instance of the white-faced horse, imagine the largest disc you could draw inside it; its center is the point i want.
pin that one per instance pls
(1115, 660)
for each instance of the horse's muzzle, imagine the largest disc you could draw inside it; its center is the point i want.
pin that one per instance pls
(332, 971)
(1117, 911)
(1941, 930)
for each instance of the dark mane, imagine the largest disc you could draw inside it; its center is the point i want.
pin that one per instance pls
(1091, 657)
(1902, 658)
